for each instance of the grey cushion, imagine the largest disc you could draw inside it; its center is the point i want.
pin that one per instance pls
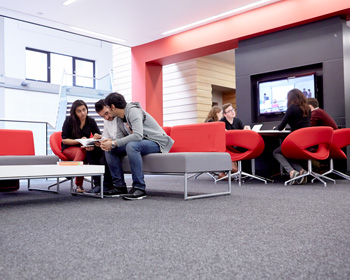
(183, 162)
(28, 160)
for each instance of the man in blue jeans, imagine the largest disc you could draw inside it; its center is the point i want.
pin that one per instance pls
(137, 134)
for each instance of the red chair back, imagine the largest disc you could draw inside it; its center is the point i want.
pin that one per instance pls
(341, 139)
(247, 139)
(16, 142)
(199, 137)
(56, 145)
(296, 144)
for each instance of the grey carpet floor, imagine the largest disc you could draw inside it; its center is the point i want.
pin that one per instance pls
(259, 232)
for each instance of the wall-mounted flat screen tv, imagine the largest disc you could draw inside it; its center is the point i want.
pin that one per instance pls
(273, 93)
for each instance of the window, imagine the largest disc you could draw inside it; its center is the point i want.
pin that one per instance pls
(37, 65)
(49, 67)
(84, 73)
(59, 64)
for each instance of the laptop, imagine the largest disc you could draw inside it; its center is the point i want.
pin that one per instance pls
(257, 127)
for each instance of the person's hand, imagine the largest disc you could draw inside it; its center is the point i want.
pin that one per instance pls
(97, 136)
(106, 145)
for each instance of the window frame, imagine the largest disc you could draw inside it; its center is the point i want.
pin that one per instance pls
(74, 59)
(74, 71)
(48, 64)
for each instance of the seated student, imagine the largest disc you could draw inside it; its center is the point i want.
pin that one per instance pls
(109, 132)
(80, 125)
(138, 134)
(231, 122)
(319, 117)
(229, 118)
(214, 115)
(297, 116)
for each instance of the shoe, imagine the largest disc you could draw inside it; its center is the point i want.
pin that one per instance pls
(79, 189)
(294, 174)
(135, 194)
(302, 180)
(116, 192)
(95, 189)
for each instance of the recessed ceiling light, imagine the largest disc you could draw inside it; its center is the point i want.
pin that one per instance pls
(97, 34)
(222, 15)
(68, 2)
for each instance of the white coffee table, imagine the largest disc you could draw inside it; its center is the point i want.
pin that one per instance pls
(19, 172)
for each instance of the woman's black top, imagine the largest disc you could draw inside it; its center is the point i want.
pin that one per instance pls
(294, 117)
(236, 124)
(89, 128)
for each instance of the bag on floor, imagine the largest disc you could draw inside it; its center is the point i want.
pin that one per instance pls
(9, 185)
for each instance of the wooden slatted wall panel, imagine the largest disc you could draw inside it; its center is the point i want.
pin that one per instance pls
(180, 93)
(213, 72)
(187, 89)
(122, 71)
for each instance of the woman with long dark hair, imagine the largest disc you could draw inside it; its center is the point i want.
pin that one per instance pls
(78, 125)
(214, 115)
(297, 116)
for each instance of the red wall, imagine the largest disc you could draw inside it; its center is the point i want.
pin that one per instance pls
(147, 59)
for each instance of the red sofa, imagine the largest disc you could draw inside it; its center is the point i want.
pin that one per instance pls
(17, 148)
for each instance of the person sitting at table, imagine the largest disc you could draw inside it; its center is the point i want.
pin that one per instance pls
(231, 122)
(78, 125)
(214, 115)
(229, 118)
(297, 116)
(319, 117)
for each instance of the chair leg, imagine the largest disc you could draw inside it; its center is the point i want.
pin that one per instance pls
(55, 184)
(311, 173)
(199, 174)
(239, 173)
(336, 172)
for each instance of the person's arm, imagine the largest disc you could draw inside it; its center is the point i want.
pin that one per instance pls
(314, 118)
(285, 119)
(135, 119)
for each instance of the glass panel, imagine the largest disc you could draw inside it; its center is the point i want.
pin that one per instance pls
(84, 71)
(60, 63)
(36, 66)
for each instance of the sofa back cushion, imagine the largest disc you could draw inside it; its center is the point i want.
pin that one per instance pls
(200, 137)
(16, 142)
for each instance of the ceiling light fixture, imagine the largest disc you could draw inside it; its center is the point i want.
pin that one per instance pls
(222, 15)
(97, 34)
(68, 2)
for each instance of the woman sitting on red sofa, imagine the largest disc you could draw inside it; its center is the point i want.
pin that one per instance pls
(79, 126)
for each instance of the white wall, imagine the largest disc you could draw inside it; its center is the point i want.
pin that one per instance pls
(19, 35)
(39, 101)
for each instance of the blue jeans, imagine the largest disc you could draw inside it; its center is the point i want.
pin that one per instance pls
(134, 150)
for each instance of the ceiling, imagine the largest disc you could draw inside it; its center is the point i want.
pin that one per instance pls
(135, 21)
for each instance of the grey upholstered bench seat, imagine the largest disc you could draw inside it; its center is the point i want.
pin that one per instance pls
(185, 163)
(28, 160)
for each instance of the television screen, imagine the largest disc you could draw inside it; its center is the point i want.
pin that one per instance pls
(273, 93)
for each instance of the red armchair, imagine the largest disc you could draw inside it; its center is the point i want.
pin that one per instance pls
(301, 143)
(252, 143)
(341, 139)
